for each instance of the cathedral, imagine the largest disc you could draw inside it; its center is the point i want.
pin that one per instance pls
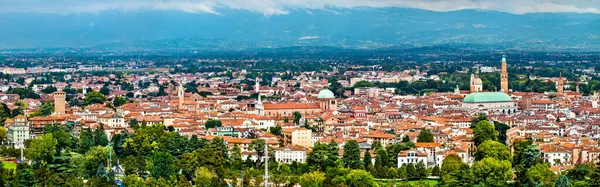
(490, 101)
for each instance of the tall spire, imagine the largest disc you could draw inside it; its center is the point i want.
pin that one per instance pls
(559, 84)
(504, 76)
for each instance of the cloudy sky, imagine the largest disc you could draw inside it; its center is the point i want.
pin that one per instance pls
(279, 7)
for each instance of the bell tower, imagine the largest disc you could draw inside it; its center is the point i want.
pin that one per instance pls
(504, 76)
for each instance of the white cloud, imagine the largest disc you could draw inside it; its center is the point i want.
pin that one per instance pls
(278, 7)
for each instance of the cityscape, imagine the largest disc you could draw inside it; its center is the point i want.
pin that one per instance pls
(300, 94)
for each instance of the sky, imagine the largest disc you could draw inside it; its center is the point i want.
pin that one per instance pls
(283, 7)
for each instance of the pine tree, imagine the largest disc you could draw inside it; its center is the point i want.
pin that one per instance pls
(367, 159)
(100, 137)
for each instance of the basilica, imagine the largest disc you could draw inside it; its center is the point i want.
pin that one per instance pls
(490, 101)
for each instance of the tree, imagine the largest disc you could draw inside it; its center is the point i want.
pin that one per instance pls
(2, 134)
(42, 149)
(94, 97)
(49, 89)
(62, 136)
(360, 178)
(100, 137)
(275, 130)
(312, 179)
(105, 90)
(258, 145)
(477, 119)
(450, 165)
(129, 95)
(24, 176)
(86, 140)
(297, 116)
(540, 175)
(367, 159)
(492, 171)
(405, 139)
(435, 171)
(579, 172)
(46, 109)
(562, 181)
(411, 171)
(351, 156)
(382, 157)
(425, 136)
(421, 171)
(484, 131)
(119, 101)
(203, 177)
(212, 123)
(161, 165)
(493, 149)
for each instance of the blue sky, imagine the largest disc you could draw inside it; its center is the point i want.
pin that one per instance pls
(282, 7)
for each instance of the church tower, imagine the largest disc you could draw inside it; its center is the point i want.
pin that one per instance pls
(180, 95)
(504, 76)
(560, 85)
(259, 106)
(476, 83)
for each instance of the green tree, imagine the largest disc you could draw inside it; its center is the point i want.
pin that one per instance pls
(579, 172)
(2, 134)
(421, 171)
(297, 116)
(24, 176)
(62, 136)
(484, 131)
(492, 171)
(450, 166)
(435, 171)
(105, 90)
(86, 140)
(411, 171)
(212, 124)
(562, 181)
(360, 178)
(275, 130)
(493, 149)
(351, 155)
(100, 137)
(425, 136)
(94, 97)
(540, 175)
(382, 157)
(312, 179)
(161, 165)
(367, 159)
(46, 109)
(119, 101)
(477, 119)
(42, 149)
(203, 177)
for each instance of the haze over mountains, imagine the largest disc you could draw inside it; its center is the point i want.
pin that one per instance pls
(356, 28)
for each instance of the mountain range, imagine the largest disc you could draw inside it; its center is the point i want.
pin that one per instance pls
(356, 28)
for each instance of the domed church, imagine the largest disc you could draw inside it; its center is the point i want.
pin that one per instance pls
(490, 101)
(327, 100)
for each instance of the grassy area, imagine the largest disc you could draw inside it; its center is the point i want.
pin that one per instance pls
(9, 165)
(429, 182)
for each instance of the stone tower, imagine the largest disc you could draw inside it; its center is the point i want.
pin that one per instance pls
(560, 85)
(180, 96)
(59, 102)
(504, 76)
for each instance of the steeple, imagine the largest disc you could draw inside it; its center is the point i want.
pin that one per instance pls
(180, 95)
(560, 85)
(504, 76)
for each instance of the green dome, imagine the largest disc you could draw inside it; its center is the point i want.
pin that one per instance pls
(487, 97)
(325, 94)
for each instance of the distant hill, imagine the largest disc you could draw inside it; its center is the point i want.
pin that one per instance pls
(358, 28)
